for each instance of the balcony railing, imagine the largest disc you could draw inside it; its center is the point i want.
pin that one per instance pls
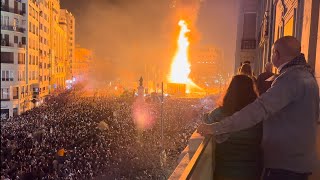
(12, 10)
(8, 44)
(12, 28)
(248, 44)
(197, 159)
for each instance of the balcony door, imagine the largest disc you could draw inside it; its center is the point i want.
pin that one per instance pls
(5, 21)
(16, 7)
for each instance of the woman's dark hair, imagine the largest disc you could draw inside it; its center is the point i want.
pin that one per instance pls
(246, 69)
(240, 93)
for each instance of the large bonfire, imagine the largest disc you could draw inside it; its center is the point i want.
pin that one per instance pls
(180, 67)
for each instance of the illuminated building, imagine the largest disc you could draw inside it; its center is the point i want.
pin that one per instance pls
(289, 18)
(33, 53)
(15, 92)
(67, 22)
(246, 43)
(82, 63)
(207, 66)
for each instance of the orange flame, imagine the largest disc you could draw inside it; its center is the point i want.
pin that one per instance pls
(180, 67)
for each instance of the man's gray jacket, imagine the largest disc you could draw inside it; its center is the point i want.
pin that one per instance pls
(290, 110)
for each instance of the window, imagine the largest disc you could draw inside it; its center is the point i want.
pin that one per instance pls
(3, 75)
(4, 20)
(6, 75)
(19, 76)
(23, 39)
(15, 112)
(5, 93)
(15, 93)
(16, 39)
(289, 27)
(15, 7)
(7, 57)
(33, 75)
(11, 75)
(5, 40)
(23, 7)
(21, 58)
(249, 26)
(23, 76)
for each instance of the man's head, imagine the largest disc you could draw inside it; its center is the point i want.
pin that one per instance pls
(268, 67)
(284, 50)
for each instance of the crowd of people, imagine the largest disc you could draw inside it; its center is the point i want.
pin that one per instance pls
(61, 139)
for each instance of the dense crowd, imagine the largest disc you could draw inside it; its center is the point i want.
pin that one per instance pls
(61, 139)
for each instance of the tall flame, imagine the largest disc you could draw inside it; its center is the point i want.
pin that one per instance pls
(180, 67)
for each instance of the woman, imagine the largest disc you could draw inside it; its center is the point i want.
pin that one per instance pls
(237, 155)
(246, 69)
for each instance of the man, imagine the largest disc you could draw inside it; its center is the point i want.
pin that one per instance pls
(263, 84)
(289, 109)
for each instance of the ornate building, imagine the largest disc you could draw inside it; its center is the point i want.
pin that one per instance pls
(299, 18)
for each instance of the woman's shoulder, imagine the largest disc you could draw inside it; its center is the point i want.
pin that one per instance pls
(216, 115)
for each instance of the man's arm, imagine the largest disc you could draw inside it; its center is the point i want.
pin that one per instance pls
(282, 93)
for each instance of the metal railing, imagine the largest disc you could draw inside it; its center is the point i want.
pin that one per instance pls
(8, 44)
(248, 44)
(12, 10)
(12, 28)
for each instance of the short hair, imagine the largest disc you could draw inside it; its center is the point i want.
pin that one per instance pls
(288, 46)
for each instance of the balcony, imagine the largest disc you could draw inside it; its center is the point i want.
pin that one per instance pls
(12, 28)
(12, 10)
(248, 44)
(197, 159)
(5, 43)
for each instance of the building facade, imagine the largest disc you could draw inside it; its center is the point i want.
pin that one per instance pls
(246, 43)
(67, 22)
(15, 94)
(33, 53)
(44, 50)
(82, 63)
(299, 18)
(208, 68)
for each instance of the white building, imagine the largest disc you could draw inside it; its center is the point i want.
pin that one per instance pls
(15, 94)
(34, 49)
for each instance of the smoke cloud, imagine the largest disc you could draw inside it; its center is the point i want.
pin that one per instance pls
(129, 37)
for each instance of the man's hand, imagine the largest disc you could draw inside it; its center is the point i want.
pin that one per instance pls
(205, 129)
